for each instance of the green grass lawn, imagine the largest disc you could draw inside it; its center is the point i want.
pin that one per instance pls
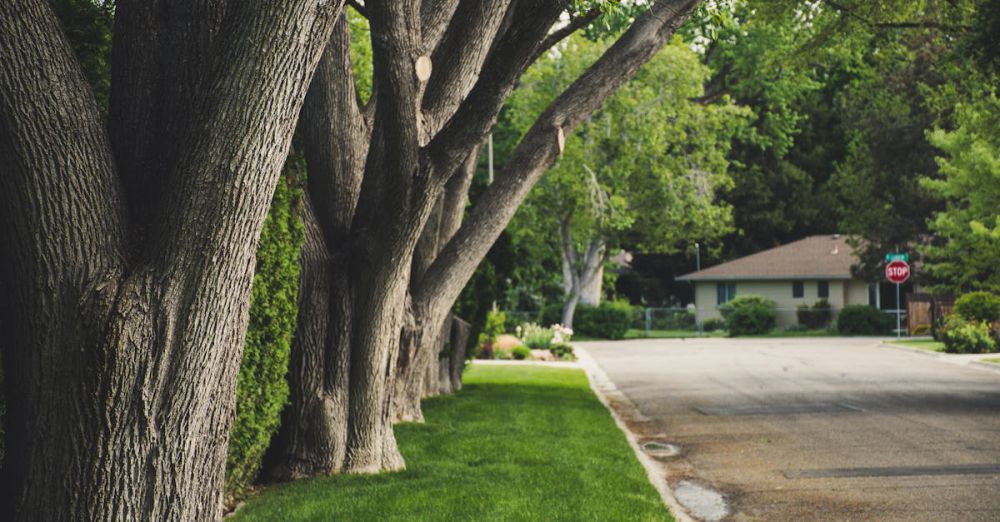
(924, 344)
(635, 333)
(995, 360)
(517, 443)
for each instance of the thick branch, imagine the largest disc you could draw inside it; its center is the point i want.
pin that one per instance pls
(511, 54)
(577, 23)
(434, 17)
(460, 56)
(336, 137)
(541, 146)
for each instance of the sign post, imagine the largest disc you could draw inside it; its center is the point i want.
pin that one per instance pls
(897, 270)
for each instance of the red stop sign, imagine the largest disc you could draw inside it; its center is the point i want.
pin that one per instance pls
(897, 271)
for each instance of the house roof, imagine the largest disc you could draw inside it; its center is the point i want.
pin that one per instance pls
(814, 257)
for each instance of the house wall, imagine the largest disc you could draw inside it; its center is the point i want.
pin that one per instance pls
(841, 293)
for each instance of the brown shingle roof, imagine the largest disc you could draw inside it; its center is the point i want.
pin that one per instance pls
(815, 257)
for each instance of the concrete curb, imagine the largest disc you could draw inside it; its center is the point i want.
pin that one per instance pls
(911, 349)
(947, 358)
(602, 386)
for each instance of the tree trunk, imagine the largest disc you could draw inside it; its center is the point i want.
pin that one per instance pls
(313, 434)
(124, 347)
(590, 294)
(539, 148)
(460, 331)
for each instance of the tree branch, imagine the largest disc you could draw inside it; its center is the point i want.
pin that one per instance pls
(512, 52)
(336, 137)
(459, 57)
(360, 9)
(541, 146)
(563, 32)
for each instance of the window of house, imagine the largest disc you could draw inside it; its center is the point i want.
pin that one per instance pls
(798, 289)
(823, 289)
(725, 292)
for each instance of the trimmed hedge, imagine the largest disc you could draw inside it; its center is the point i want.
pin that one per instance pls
(261, 390)
(749, 315)
(864, 320)
(609, 320)
(815, 317)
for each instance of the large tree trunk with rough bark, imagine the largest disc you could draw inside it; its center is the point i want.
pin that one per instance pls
(128, 254)
(441, 73)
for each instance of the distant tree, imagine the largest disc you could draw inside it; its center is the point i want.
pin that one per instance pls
(641, 173)
(965, 254)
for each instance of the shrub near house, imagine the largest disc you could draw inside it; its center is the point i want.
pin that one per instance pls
(863, 320)
(749, 315)
(974, 327)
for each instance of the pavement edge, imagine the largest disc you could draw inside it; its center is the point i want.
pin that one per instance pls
(602, 386)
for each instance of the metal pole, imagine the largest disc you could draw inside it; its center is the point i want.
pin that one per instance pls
(649, 321)
(697, 257)
(898, 312)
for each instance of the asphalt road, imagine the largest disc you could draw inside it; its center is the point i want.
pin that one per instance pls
(818, 429)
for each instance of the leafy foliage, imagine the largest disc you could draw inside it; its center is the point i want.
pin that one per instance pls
(609, 320)
(535, 336)
(965, 256)
(261, 390)
(816, 316)
(863, 320)
(978, 306)
(520, 353)
(963, 336)
(749, 315)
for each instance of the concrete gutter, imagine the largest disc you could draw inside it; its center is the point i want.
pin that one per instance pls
(959, 359)
(603, 387)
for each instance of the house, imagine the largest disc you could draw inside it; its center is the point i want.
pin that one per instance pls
(799, 273)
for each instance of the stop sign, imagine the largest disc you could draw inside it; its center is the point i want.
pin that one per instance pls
(897, 271)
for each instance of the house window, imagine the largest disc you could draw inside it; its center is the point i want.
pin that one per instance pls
(798, 289)
(823, 289)
(725, 292)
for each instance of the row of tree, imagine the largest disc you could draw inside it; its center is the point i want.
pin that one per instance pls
(851, 108)
(129, 239)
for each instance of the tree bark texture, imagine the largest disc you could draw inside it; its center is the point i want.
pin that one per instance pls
(417, 135)
(123, 346)
(581, 273)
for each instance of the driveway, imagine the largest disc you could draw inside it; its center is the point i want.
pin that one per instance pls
(819, 428)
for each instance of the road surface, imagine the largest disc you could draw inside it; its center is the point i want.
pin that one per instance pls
(820, 428)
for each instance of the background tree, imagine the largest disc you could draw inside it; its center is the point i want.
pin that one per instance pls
(641, 173)
(353, 372)
(964, 255)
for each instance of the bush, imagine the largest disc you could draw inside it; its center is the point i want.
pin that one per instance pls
(673, 320)
(261, 389)
(978, 307)
(551, 313)
(563, 352)
(713, 325)
(864, 320)
(521, 353)
(749, 315)
(815, 317)
(610, 320)
(962, 336)
(536, 336)
(496, 322)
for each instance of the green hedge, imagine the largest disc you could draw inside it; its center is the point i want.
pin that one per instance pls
(864, 320)
(262, 390)
(963, 336)
(749, 315)
(609, 320)
(978, 307)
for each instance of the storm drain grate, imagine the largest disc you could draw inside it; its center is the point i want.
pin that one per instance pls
(661, 449)
(899, 471)
(779, 409)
